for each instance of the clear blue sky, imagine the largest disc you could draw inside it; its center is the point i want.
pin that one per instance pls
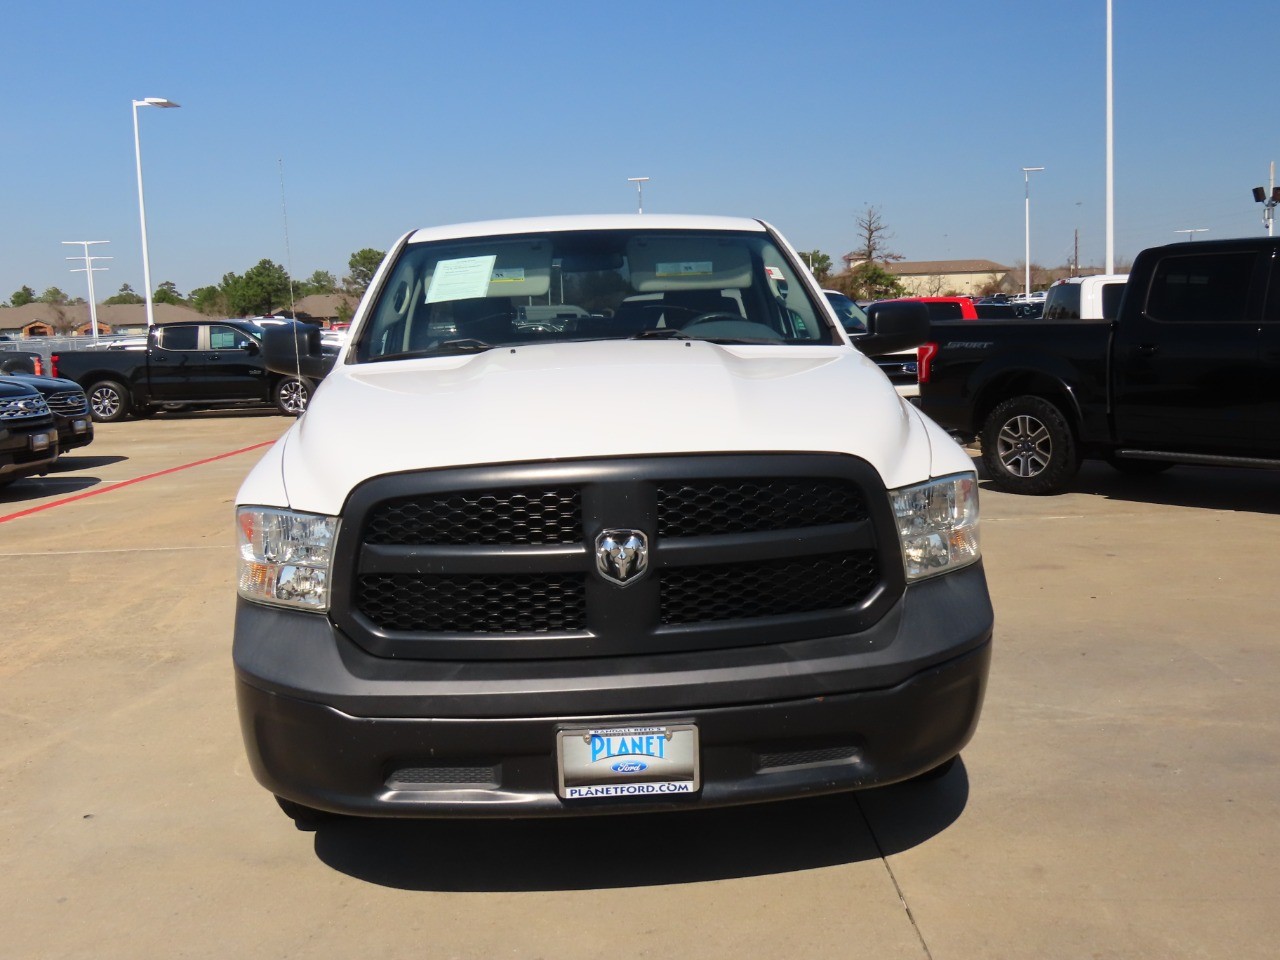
(393, 115)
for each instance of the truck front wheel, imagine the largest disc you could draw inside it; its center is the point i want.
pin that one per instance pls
(108, 401)
(1028, 447)
(292, 396)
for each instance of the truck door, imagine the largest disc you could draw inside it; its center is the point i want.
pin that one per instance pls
(1269, 362)
(172, 356)
(1185, 368)
(232, 366)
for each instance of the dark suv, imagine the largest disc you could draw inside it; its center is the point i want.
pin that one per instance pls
(28, 435)
(69, 406)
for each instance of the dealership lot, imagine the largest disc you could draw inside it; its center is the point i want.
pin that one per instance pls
(1121, 798)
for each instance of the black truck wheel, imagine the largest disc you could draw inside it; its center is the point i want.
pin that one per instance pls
(292, 396)
(1028, 447)
(305, 818)
(108, 401)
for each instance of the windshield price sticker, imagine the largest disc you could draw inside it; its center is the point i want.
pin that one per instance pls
(466, 278)
(685, 268)
(628, 761)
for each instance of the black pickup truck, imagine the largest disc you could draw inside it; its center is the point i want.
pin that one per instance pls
(1189, 372)
(203, 364)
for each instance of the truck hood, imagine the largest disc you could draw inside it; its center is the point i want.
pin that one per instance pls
(591, 399)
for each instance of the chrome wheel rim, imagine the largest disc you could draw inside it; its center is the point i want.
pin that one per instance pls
(106, 402)
(1024, 446)
(293, 396)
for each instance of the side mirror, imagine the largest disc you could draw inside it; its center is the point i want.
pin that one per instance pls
(250, 347)
(294, 349)
(893, 326)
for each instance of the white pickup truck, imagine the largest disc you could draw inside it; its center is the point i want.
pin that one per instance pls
(667, 540)
(1095, 297)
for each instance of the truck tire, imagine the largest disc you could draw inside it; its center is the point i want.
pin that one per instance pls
(304, 817)
(291, 396)
(1028, 447)
(108, 401)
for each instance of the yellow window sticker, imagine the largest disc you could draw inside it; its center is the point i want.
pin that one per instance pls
(684, 268)
(508, 275)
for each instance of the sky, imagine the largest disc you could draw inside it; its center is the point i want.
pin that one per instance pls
(309, 131)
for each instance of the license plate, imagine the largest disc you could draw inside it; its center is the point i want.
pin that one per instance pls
(39, 441)
(657, 761)
(79, 426)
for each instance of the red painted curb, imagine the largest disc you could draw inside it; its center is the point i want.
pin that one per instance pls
(126, 483)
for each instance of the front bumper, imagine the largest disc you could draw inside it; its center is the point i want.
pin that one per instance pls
(75, 432)
(19, 454)
(329, 726)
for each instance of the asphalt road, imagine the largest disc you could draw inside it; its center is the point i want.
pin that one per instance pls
(1121, 798)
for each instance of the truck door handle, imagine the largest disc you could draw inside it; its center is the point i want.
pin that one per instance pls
(1146, 349)
(212, 356)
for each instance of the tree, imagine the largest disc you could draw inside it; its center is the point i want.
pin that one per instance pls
(167, 292)
(53, 295)
(320, 282)
(867, 281)
(819, 264)
(209, 301)
(363, 264)
(874, 237)
(126, 295)
(259, 291)
(22, 297)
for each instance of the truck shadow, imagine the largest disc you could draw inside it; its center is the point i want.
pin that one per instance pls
(642, 850)
(1209, 488)
(69, 462)
(38, 488)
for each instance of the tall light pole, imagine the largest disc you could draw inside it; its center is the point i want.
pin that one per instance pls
(1026, 179)
(1269, 200)
(88, 271)
(1111, 165)
(639, 182)
(142, 208)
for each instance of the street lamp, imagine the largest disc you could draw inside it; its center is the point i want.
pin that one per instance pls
(142, 209)
(1026, 179)
(1191, 233)
(88, 269)
(639, 182)
(1268, 201)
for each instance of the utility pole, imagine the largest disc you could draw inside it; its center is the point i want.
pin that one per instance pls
(1075, 257)
(1269, 200)
(88, 270)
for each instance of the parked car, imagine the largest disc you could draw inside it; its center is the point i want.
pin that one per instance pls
(20, 361)
(198, 364)
(1186, 373)
(28, 434)
(69, 406)
(682, 551)
(1095, 297)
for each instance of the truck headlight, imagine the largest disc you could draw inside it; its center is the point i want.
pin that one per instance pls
(938, 525)
(285, 557)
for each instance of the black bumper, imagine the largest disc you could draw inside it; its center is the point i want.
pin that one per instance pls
(18, 459)
(329, 726)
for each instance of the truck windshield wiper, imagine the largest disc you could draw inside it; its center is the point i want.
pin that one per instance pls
(661, 333)
(463, 345)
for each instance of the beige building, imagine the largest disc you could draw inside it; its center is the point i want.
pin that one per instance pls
(937, 278)
(50, 319)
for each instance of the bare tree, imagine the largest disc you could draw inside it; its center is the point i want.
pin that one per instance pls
(873, 238)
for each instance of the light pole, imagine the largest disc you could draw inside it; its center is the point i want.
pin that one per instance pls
(639, 182)
(1111, 155)
(1026, 180)
(88, 271)
(142, 209)
(1269, 200)
(1191, 234)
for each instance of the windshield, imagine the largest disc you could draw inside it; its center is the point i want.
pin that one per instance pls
(852, 317)
(454, 296)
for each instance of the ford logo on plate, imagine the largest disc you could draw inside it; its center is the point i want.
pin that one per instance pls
(630, 766)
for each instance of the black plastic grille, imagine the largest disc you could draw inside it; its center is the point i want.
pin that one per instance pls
(525, 603)
(693, 508)
(804, 758)
(775, 588)
(490, 517)
(441, 775)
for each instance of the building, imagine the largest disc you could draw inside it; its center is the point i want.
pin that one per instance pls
(61, 319)
(936, 278)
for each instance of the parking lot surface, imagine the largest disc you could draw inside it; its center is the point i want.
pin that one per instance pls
(1121, 798)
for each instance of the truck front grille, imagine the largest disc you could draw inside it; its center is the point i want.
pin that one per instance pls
(500, 562)
(68, 403)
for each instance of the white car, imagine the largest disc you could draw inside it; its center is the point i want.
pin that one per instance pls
(673, 543)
